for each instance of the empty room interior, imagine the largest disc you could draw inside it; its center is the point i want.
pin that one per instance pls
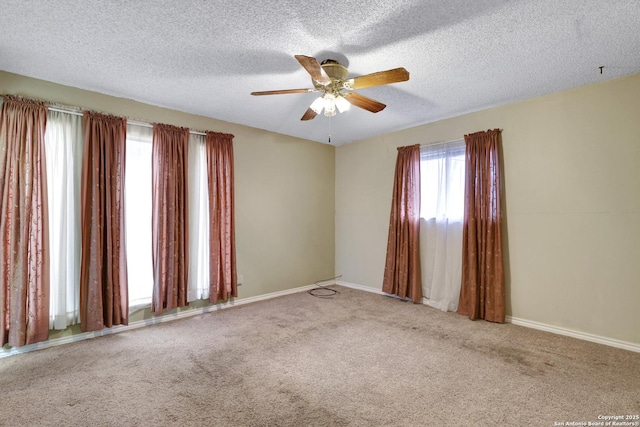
(314, 105)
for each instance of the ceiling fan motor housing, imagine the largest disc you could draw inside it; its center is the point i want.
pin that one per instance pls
(335, 70)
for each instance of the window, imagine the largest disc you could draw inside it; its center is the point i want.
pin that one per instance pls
(137, 215)
(442, 181)
(63, 145)
(64, 152)
(198, 219)
(63, 148)
(442, 177)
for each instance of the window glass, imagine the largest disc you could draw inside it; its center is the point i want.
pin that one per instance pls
(138, 210)
(442, 181)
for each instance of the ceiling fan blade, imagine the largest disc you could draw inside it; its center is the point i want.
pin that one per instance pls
(379, 78)
(363, 102)
(282, 92)
(309, 114)
(313, 68)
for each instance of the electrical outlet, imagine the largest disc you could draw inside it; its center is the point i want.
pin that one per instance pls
(240, 279)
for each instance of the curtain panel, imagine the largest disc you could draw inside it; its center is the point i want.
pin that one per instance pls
(170, 220)
(103, 265)
(24, 249)
(63, 145)
(402, 266)
(222, 261)
(482, 293)
(442, 174)
(199, 241)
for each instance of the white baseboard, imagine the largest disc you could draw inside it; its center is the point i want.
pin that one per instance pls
(233, 303)
(361, 288)
(147, 322)
(612, 342)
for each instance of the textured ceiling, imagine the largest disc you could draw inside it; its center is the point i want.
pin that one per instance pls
(205, 57)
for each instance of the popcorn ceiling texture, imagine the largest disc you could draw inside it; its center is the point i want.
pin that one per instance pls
(205, 57)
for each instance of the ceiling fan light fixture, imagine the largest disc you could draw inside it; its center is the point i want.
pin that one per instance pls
(317, 105)
(342, 104)
(329, 104)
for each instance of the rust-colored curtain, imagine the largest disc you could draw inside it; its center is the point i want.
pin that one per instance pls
(24, 257)
(482, 291)
(104, 299)
(402, 268)
(170, 232)
(222, 258)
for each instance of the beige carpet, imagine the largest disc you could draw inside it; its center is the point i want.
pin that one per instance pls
(358, 359)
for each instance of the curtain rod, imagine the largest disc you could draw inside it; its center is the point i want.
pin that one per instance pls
(129, 121)
(150, 125)
(79, 112)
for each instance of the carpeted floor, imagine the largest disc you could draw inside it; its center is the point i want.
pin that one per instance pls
(357, 359)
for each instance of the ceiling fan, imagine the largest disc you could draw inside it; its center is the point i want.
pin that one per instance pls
(331, 80)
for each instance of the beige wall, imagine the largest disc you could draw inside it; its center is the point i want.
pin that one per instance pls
(284, 189)
(572, 181)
